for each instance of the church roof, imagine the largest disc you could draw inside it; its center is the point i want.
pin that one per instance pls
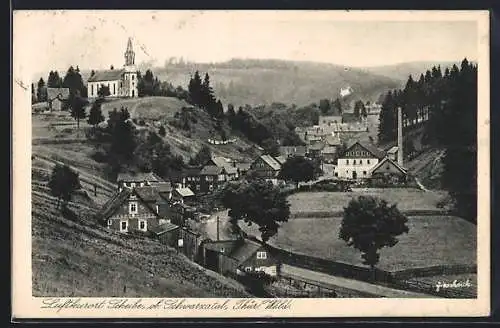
(108, 75)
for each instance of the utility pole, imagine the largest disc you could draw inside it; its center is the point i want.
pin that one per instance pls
(218, 228)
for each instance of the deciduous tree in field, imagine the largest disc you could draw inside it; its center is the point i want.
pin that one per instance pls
(63, 183)
(297, 169)
(77, 104)
(95, 114)
(256, 202)
(369, 224)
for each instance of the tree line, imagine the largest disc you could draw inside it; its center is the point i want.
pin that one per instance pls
(449, 101)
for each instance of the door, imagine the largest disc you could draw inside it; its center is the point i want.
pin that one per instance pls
(133, 93)
(354, 175)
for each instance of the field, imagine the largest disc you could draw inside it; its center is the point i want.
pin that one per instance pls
(405, 198)
(432, 240)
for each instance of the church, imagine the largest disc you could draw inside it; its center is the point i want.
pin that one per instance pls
(121, 82)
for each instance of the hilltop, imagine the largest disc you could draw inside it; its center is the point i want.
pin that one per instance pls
(188, 128)
(401, 72)
(256, 82)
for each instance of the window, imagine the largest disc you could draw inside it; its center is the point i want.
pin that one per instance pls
(114, 88)
(368, 161)
(92, 89)
(157, 209)
(123, 226)
(261, 255)
(364, 172)
(248, 269)
(336, 174)
(132, 208)
(132, 184)
(142, 184)
(354, 162)
(110, 222)
(347, 162)
(133, 77)
(143, 225)
(222, 250)
(211, 187)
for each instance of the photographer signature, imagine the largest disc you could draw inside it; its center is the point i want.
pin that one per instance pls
(455, 284)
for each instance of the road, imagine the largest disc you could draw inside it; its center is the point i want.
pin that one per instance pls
(326, 279)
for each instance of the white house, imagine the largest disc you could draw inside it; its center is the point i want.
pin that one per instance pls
(121, 82)
(358, 160)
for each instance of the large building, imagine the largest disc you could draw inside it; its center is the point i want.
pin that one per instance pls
(121, 82)
(358, 160)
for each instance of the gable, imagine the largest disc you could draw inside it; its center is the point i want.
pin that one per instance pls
(357, 151)
(388, 166)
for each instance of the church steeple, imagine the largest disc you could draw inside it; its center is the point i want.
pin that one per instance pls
(129, 54)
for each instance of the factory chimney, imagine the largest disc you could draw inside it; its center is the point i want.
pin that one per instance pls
(400, 137)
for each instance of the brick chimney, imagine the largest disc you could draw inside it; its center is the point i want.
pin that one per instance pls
(400, 137)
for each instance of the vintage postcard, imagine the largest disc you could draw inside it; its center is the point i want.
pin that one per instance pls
(250, 164)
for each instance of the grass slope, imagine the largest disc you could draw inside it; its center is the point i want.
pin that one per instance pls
(432, 240)
(183, 142)
(72, 256)
(405, 198)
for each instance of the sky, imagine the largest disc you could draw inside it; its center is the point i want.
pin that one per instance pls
(97, 39)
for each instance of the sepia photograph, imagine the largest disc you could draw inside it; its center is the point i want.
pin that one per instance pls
(259, 158)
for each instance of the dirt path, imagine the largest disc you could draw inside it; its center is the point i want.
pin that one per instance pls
(299, 273)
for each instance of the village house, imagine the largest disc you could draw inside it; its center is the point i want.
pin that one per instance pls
(291, 151)
(229, 166)
(357, 161)
(388, 173)
(315, 149)
(141, 179)
(266, 167)
(121, 82)
(57, 98)
(330, 120)
(183, 195)
(330, 151)
(189, 178)
(140, 209)
(248, 256)
(212, 177)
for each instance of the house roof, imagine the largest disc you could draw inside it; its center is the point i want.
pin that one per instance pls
(113, 204)
(162, 187)
(184, 192)
(368, 146)
(164, 227)
(138, 177)
(245, 250)
(225, 163)
(349, 118)
(211, 170)
(387, 159)
(61, 93)
(281, 159)
(243, 166)
(317, 146)
(393, 150)
(332, 140)
(147, 193)
(271, 161)
(329, 150)
(301, 150)
(107, 75)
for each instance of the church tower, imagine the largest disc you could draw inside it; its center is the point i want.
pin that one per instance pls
(130, 72)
